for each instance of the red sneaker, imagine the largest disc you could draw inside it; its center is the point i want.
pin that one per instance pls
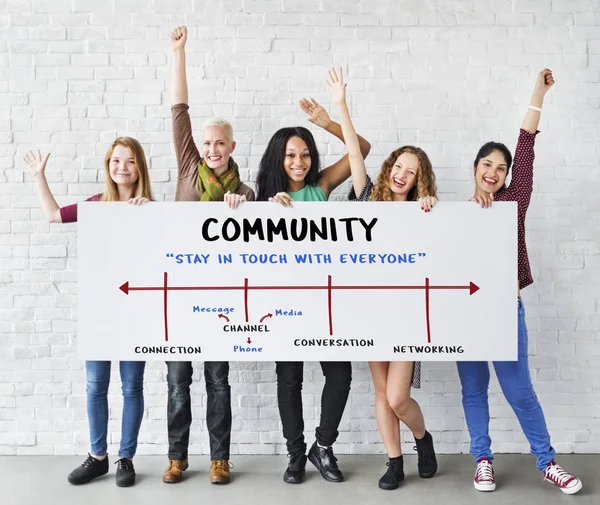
(484, 476)
(562, 479)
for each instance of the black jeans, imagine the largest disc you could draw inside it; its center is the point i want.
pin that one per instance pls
(218, 408)
(338, 376)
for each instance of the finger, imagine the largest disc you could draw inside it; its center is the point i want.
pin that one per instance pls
(39, 155)
(271, 199)
(315, 103)
(46, 158)
(331, 76)
(311, 120)
(328, 84)
(243, 198)
(341, 75)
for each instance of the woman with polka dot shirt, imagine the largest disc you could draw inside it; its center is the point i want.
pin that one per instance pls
(491, 168)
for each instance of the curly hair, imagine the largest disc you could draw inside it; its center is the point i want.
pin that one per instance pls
(425, 185)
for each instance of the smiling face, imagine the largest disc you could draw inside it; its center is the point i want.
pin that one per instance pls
(123, 170)
(403, 175)
(490, 172)
(297, 162)
(217, 148)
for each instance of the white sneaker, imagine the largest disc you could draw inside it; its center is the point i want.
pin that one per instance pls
(562, 479)
(484, 476)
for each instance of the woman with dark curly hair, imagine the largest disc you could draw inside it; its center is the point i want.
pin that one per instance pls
(405, 176)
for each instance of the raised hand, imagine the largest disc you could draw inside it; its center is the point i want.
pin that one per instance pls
(36, 163)
(179, 38)
(318, 115)
(544, 81)
(336, 85)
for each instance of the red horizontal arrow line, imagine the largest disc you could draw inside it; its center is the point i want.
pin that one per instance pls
(126, 288)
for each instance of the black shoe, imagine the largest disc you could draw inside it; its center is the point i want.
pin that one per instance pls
(427, 461)
(294, 473)
(125, 475)
(88, 470)
(325, 462)
(393, 475)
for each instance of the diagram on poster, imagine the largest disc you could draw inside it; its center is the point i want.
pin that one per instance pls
(320, 281)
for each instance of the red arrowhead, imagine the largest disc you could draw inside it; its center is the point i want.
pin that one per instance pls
(249, 341)
(473, 288)
(125, 288)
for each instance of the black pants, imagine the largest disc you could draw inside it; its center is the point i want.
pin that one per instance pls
(218, 408)
(338, 376)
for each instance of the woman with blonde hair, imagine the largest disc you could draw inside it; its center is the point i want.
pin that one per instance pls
(405, 176)
(127, 180)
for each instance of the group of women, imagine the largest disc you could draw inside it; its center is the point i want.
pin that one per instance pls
(290, 171)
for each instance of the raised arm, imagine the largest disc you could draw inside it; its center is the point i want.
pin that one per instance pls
(355, 156)
(180, 89)
(37, 167)
(543, 83)
(521, 184)
(332, 176)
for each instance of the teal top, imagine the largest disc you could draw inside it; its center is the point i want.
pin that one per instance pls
(309, 194)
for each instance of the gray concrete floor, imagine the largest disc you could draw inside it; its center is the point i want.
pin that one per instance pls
(35, 480)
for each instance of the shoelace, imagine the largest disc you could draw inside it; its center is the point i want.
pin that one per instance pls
(222, 464)
(484, 472)
(89, 462)
(556, 474)
(425, 455)
(392, 470)
(124, 464)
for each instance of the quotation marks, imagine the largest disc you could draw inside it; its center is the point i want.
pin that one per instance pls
(172, 255)
(422, 255)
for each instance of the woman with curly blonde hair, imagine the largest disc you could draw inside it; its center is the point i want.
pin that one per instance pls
(406, 176)
(425, 185)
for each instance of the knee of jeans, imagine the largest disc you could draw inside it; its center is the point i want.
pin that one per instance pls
(472, 390)
(96, 387)
(132, 388)
(521, 397)
(339, 380)
(289, 387)
(216, 379)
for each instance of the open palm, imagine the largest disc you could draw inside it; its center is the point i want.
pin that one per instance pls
(318, 115)
(36, 163)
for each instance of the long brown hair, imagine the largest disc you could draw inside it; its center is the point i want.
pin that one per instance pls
(142, 185)
(425, 185)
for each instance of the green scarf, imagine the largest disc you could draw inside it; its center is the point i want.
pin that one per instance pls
(213, 188)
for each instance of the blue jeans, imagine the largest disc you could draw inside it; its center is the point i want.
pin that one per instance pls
(218, 408)
(515, 381)
(97, 381)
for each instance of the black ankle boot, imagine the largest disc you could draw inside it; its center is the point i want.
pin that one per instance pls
(393, 475)
(294, 473)
(88, 470)
(427, 460)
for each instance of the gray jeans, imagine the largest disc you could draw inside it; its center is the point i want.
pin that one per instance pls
(218, 408)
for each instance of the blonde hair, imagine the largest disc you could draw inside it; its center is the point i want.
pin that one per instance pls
(425, 185)
(219, 122)
(142, 185)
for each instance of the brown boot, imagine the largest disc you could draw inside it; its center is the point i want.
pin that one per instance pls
(173, 474)
(219, 471)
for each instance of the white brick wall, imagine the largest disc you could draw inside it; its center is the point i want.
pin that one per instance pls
(444, 74)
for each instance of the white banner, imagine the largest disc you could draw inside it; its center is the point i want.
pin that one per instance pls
(333, 281)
